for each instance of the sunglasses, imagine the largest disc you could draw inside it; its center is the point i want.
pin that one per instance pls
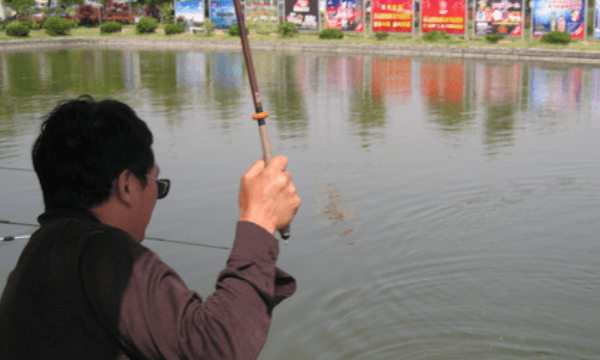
(163, 187)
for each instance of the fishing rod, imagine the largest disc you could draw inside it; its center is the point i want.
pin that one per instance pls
(260, 116)
(24, 237)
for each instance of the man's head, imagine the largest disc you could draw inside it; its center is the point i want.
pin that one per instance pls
(84, 146)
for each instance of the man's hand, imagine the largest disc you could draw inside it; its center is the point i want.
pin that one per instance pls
(268, 197)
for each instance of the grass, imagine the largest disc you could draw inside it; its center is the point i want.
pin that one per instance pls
(268, 32)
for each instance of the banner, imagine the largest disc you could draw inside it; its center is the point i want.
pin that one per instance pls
(500, 17)
(222, 13)
(559, 15)
(261, 12)
(345, 15)
(191, 12)
(597, 20)
(304, 13)
(447, 16)
(393, 16)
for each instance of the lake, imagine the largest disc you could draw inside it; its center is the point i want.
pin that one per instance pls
(449, 207)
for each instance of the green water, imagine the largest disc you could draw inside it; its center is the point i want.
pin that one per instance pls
(449, 208)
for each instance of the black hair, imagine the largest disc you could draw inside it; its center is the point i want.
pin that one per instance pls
(84, 146)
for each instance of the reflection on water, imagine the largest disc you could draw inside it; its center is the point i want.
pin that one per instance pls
(449, 208)
(369, 87)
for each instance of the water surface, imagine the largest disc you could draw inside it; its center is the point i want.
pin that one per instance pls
(449, 207)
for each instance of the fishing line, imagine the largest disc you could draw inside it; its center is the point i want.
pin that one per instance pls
(14, 169)
(181, 242)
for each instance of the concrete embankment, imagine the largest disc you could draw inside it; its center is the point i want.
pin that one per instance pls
(425, 51)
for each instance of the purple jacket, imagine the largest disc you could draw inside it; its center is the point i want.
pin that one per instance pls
(84, 290)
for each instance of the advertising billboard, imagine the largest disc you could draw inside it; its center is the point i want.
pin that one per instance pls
(222, 13)
(447, 16)
(304, 13)
(393, 16)
(191, 13)
(345, 15)
(597, 20)
(502, 17)
(559, 15)
(261, 12)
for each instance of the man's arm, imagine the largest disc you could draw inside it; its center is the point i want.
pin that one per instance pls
(159, 317)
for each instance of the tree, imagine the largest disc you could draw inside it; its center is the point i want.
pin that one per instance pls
(67, 3)
(19, 5)
(154, 6)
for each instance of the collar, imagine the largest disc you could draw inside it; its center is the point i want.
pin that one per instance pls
(57, 214)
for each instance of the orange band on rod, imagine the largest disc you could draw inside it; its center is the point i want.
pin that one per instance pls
(262, 115)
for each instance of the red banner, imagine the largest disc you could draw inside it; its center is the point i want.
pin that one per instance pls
(447, 16)
(392, 16)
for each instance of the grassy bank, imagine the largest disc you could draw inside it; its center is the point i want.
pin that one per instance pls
(268, 32)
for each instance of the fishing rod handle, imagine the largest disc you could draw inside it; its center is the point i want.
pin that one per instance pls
(268, 156)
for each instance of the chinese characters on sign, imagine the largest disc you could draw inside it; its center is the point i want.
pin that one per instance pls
(393, 16)
(447, 16)
(559, 15)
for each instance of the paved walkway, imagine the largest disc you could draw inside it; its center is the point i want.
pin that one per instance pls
(426, 51)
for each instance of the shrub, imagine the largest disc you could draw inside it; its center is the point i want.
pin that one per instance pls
(556, 37)
(146, 25)
(17, 29)
(288, 29)
(56, 26)
(234, 30)
(174, 29)
(381, 35)
(494, 38)
(331, 34)
(75, 23)
(210, 28)
(110, 27)
(435, 36)
(36, 25)
(27, 22)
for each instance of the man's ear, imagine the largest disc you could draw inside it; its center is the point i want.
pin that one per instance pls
(124, 187)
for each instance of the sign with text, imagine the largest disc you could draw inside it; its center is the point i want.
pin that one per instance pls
(597, 20)
(191, 13)
(502, 17)
(559, 15)
(222, 13)
(447, 16)
(393, 16)
(344, 15)
(261, 12)
(303, 13)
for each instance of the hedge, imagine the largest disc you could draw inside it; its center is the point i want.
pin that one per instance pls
(146, 25)
(57, 26)
(110, 27)
(171, 29)
(17, 29)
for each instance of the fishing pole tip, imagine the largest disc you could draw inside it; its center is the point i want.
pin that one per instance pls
(11, 238)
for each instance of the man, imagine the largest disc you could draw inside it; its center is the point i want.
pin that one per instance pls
(85, 288)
